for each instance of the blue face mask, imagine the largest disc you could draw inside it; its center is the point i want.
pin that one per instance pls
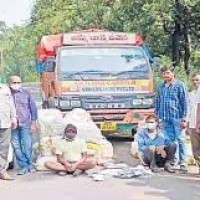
(151, 126)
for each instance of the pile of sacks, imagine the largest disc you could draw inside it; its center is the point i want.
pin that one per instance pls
(97, 144)
(51, 125)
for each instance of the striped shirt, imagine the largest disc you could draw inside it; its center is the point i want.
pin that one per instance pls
(171, 101)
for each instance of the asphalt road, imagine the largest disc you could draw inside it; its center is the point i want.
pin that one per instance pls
(49, 186)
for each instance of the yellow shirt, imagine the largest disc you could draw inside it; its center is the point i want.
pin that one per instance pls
(71, 150)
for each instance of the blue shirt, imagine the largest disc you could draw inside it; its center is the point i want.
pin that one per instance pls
(144, 141)
(171, 101)
(25, 106)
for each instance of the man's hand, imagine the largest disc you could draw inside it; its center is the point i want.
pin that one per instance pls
(160, 150)
(160, 125)
(163, 153)
(187, 131)
(184, 124)
(152, 148)
(33, 127)
(67, 166)
(74, 167)
(14, 125)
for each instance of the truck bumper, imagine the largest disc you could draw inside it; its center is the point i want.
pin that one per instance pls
(119, 122)
(122, 123)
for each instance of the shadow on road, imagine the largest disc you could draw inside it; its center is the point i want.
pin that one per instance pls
(119, 139)
(173, 187)
(122, 151)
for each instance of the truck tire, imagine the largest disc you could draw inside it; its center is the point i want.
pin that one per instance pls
(51, 103)
(44, 105)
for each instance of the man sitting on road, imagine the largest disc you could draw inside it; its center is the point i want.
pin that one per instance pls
(71, 154)
(154, 148)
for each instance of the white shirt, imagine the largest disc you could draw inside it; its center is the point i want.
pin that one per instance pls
(194, 99)
(7, 107)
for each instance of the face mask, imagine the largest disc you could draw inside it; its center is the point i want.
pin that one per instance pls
(15, 86)
(69, 139)
(152, 135)
(66, 136)
(151, 126)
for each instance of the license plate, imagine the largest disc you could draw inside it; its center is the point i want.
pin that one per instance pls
(108, 126)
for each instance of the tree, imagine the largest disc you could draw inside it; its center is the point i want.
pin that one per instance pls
(171, 28)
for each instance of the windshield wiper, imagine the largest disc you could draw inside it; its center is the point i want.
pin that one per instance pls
(73, 76)
(132, 73)
(92, 71)
(129, 72)
(80, 73)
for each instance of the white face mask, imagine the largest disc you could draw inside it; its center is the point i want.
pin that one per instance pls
(151, 126)
(152, 135)
(16, 86)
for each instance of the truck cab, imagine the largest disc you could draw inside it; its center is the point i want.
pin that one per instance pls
(106, 73)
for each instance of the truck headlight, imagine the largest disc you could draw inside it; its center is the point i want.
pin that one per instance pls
(76, 104)
(137, 102)
(148, 101)
(64, 104)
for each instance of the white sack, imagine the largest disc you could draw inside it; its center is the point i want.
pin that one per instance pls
(50, 122)
(86, 128)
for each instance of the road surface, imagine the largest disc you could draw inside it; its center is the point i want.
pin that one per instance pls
(48, 186)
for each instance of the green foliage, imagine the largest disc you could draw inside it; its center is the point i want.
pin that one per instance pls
(149, 18)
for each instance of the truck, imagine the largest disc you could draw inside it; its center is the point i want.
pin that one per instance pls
(107, 73)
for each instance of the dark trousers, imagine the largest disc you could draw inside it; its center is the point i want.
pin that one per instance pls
(195, 139)
(152, 158)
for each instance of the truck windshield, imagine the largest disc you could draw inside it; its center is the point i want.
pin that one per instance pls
(103, 63)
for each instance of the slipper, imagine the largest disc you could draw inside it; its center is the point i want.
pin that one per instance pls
(5, 176)
(62, 173)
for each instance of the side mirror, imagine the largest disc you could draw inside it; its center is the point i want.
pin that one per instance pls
(50, 66)
(156, 65)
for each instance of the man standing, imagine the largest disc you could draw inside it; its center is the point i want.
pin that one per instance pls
(194, 99)
(171, 109)
(26, 123)
(7, 120)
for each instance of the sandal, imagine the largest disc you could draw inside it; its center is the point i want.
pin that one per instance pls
(5, 176)
(62, 173)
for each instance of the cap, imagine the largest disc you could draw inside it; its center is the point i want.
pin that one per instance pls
(71, 127)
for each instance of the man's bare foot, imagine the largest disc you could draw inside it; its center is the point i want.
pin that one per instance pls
(77, 172)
